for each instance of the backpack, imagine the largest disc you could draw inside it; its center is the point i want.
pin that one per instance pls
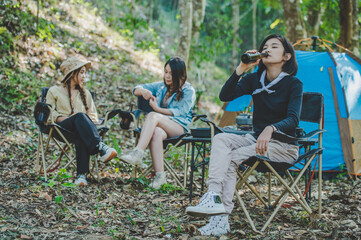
(41, 113)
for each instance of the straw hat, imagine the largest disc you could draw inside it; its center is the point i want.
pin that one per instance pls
(72, 64)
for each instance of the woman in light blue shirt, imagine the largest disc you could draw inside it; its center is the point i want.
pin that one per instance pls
(172, 101)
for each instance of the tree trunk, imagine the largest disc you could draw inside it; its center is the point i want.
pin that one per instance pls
(345, 23)
(113, 13)
(185, 37)
(254, 23)
(293, 20)
(235, 37)
(199, 9)
(355, 35)
(150, 12)
(37, 14)
(314, 16)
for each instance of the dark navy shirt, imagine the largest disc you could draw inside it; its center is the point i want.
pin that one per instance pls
(281, 108)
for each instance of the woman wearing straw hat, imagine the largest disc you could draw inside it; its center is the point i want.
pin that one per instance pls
(73, 109)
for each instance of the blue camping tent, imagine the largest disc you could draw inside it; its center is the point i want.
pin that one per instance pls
(337, 77)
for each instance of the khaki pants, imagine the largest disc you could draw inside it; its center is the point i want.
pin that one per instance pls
(229, 151)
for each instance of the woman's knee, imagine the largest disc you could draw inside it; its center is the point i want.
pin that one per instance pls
(158, 135)
(81, 115)
(220, 137)
(153, 116)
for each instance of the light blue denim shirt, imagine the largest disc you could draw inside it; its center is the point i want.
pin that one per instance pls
(182, 109)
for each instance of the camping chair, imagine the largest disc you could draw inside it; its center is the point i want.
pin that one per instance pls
(61, 137)
(134, 116)
(312, 111)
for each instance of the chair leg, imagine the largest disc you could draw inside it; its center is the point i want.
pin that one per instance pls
(296, 188)
(134, 172)
(247, 174)
(147, 171)
(37, 167)
(252, 189)
(43, 157)
(319, 185)
(275, 212)
(186, 165)
(191, 174)
(290, 189)
(269, 188)
(96, 167)
(246, 212)
(173, 173)
(203, 166)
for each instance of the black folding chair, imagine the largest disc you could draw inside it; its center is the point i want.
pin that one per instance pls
(143, 108)
(62, 138)
(312, 111)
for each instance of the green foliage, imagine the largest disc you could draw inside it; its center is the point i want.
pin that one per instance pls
(129, 21)
(17, 88)
(58, 181)
(6, 41)
(16, 18)
(171, 189)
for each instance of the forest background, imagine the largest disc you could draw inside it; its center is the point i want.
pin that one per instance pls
(128, 42)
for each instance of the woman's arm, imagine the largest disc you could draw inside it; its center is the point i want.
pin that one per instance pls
(54, 115)
(145, 93)
(184, 105)
(154, 104)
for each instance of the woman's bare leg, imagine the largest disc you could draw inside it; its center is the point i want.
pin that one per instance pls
(154, 120)
(156, 149)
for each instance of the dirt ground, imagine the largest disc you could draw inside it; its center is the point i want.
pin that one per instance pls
(119, 207)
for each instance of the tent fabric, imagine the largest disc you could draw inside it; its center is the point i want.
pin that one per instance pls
(350, 71)
(313, 71)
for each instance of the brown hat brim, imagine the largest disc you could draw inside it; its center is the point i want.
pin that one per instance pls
(79, 65)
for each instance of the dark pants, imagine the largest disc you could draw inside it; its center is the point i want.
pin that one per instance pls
(85, 137)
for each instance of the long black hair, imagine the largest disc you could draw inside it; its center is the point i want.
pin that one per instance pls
(179, 76)
(289, 66)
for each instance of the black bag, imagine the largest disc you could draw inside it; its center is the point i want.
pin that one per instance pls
(41, 113)
(126, 119)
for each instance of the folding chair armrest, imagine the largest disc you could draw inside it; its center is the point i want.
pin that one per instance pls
(224, 130)
(283, 137)
(109, 114)
(112, 113)
(60, 128)
(102, 131)
(211, 124)
(311, 134)
(196, 117)
(278, 135)
(214, 128)
(309, 154)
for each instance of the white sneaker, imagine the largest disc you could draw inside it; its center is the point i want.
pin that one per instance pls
(106, 153)
(210, 204)
(218, 225)
(159, 180)
(81, 180)
(133, 157)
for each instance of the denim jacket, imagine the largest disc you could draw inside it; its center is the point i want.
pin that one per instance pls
(182, 109)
